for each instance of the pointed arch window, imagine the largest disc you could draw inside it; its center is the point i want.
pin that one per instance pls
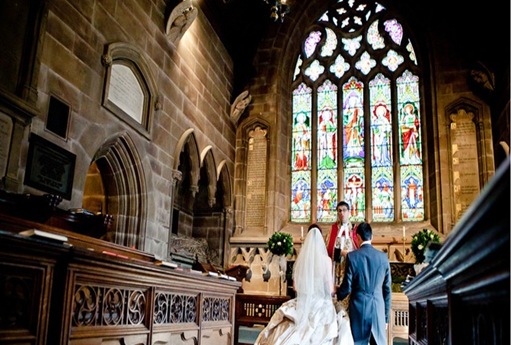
(356, 119)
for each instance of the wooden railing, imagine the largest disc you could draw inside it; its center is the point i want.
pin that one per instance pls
(89, 291)
(462, 297)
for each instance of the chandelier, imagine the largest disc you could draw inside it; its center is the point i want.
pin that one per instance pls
(279, 9)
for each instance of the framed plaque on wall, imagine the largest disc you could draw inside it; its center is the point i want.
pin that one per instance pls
(50, 168)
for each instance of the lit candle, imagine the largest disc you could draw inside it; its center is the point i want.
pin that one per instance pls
(302, 232)
(404, 232)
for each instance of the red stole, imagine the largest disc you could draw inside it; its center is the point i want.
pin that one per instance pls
(333, 236)
(331, 240)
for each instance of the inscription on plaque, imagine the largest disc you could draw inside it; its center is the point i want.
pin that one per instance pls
(256, 178)
(125, 91)
(5, 142)
(464, 161)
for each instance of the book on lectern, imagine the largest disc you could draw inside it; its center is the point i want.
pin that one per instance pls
(166, 263)
(44, 235)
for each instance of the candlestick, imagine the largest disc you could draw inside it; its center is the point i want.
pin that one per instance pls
(404, 244)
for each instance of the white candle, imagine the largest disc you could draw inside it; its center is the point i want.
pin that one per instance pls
(302, 232)
(404, 232)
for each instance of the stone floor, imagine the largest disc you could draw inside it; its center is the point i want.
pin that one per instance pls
(248, 335)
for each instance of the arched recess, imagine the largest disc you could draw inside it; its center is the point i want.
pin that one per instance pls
(224, 196)
(208, 210)
(125, 189)
(224, 180)
(470, 152)
(198, 209)
(208, 164)
(252, 160)
(187, 174)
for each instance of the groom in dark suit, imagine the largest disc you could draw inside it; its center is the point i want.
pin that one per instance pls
(367, 278)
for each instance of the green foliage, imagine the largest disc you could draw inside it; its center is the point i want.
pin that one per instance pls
(281, 243)
(419, 242)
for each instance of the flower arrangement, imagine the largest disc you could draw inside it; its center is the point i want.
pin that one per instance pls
(281, 243)
(419, 242)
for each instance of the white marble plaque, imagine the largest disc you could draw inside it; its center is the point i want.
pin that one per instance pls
(125, 91)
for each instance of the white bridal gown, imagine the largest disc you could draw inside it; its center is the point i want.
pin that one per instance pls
(323, 325)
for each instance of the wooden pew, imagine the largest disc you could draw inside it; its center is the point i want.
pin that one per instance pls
(255, 309)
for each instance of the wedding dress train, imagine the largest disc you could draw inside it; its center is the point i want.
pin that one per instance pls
(324, 327)
(311, 318)
(343, 323)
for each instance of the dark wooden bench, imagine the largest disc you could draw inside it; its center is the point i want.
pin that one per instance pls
(255, 309)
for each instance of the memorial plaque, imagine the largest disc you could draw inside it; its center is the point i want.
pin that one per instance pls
(125, 92)
(256, 179)
(465, 164)
(50, 168)
(5, 142)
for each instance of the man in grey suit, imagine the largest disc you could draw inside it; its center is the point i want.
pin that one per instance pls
(367, 278)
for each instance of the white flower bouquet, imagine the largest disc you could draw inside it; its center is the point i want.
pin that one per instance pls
(419, 242)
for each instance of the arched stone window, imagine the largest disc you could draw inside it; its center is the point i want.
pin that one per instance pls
(356, 118)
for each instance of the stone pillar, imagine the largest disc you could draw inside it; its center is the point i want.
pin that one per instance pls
(177, 176)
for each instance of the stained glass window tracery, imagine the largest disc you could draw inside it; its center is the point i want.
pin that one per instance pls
(356, 119)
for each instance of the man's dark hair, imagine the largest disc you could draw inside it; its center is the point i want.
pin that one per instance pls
(343, 203)
(365, 231)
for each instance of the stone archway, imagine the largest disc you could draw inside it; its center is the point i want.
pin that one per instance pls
(120, 170)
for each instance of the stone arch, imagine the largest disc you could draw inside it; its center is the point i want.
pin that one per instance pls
(224, 194)
(270, 91)
(187, 174)
(188, 142)
(198, 210)
(274, 64)
(208, 210)
(208, 163)
(126, 191)
(224, 179)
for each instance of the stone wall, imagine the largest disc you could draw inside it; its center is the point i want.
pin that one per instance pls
(193, 81)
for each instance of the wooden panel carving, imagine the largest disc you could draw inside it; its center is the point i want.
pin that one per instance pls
(175, 308)
(62, 294)
(216, 309)
(108, 306)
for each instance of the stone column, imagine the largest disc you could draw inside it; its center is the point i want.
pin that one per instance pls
(177, 176)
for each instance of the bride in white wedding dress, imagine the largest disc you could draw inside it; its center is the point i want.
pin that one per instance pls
(311, 317)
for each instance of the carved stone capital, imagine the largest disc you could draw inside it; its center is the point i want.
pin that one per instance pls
(194, 189)
(177, 176)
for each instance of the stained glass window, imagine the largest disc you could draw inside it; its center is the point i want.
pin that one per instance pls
(301, 167)
(356, 118)
(327, 152)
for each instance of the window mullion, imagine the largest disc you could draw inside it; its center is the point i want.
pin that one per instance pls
(395, 151)
(314, 150)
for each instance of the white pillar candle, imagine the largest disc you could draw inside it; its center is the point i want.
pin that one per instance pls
(404, 232)
(301, 233)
